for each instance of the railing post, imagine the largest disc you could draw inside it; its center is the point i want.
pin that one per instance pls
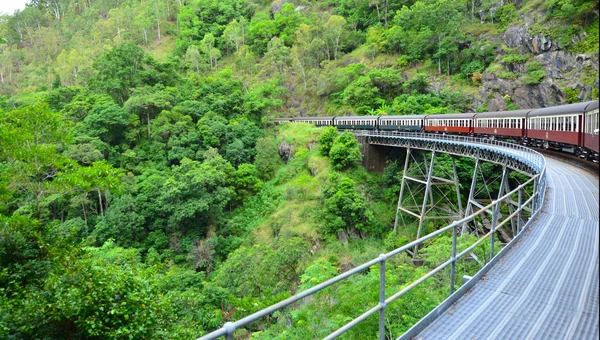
(453, 266)
(520, 207)
(494, 217)
(382, 297)
(533, 201)
(229, 330)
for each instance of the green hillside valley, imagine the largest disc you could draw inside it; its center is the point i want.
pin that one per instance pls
(146, 191)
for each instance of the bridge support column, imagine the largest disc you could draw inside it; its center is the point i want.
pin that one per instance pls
(496, 209)
(434, 202)
(471, 199)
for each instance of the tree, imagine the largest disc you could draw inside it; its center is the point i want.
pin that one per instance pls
(335, 29)
(345, 151)
(147, 102)
(120, 70)
(122, 223)
(207, 47)
(196, 193)
(247, 182)
(29, 139)
(267, 157)
(106, 121)
(326, 140)
(345, 209)
(192, 55)
(235, 33)
(277, 57)
(361, 94)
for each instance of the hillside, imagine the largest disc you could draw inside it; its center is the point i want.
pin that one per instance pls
(146, 193)
(329, 57)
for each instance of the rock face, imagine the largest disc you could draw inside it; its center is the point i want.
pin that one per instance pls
(516, 37)
(563, 70)
(278, 5)
(519, 37)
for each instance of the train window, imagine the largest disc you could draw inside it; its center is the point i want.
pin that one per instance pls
(561, 124)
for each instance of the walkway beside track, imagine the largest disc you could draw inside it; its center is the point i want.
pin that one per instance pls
(546, 286)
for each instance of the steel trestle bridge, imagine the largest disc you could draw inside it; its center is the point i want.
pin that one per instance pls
(524, 204)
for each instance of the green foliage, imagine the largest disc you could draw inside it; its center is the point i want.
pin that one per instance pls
(571, 94)
(267, 157)
(124, 67)
(345, 151)
(345, 209)
(535, 74)
(514, 59)
(327, 139)
(138, 124)
(506, 15)
(508, 75)
(196, 193)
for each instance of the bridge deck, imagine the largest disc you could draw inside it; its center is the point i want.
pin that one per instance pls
(546, 286)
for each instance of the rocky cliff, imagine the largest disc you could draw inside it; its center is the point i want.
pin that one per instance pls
(566, 77)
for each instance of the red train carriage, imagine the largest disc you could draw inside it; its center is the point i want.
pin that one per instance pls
(556, 127)
(501, 124)
(450, 123)
(590, 131)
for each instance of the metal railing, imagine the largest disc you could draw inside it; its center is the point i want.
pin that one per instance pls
(520, 151)
(533, 204)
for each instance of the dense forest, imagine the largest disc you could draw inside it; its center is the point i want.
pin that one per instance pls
(146, 193)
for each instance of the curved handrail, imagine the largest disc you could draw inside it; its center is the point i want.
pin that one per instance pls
(535, 201)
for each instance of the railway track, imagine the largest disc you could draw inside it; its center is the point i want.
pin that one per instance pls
(571, 159)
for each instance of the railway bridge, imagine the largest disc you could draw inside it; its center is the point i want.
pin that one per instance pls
(544, 283)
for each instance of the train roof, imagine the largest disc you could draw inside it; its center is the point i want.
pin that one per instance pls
(357, 117)
(565, 109)
(502, 114)
(312, 118)
(404, 117)
(451, 116)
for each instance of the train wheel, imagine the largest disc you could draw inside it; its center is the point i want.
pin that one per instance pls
(546, 145)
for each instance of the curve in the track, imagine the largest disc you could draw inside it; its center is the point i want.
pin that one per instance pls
(546, 286)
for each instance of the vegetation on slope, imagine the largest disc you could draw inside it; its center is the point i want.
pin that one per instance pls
(144, 191)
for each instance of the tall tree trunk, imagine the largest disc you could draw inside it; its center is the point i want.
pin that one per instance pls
(385, 13)
(148, 116)
(157, 19)
(84, 217)
(439, 56)
(100, 202)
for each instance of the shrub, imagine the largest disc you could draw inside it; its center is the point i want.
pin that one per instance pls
(326, 140)
(514, 59)
(345, 151)
(535, 74)
(508, 75)
(571, 95)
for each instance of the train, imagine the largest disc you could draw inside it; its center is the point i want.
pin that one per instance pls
(571, 128)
